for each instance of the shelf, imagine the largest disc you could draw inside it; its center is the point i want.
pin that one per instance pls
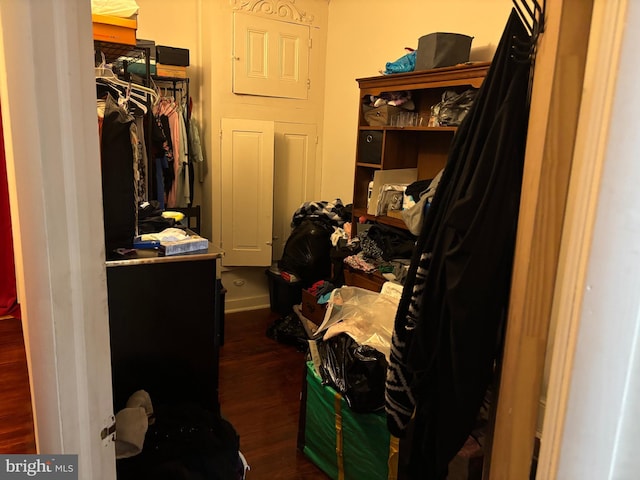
(426, 149)
(170, 79)
(470, 74)
(413, 129)
(391, 221)
(119, 51)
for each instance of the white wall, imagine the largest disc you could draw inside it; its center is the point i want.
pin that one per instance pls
(362, 37)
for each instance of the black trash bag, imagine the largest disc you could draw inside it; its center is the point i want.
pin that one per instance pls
(393, 242)
(453, 107)
(307, 252)
(357, 371)
(289, 331)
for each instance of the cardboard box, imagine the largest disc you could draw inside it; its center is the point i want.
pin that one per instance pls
(114, 29)
(170, 71)
(344, 444)
(394, 176)
(311, 309)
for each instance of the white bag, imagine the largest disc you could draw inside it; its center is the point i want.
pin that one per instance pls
(115, 8)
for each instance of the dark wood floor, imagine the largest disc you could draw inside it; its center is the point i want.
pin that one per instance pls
(260, 386)
(16, 419)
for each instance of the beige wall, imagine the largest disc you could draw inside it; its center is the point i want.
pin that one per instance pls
(358, 44)
(206, 28)
(362, 37)
(349, 42)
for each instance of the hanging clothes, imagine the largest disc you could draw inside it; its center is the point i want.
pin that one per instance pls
(162, 151)
(183, 191)
(174, 127)
(196, 157)
(141, 152)
(119, 171)
(176, 180)
(449, 320)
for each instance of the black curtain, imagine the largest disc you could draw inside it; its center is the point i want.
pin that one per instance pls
(448, 326)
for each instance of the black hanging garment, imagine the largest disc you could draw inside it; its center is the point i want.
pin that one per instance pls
(450, 316)
(118, 181)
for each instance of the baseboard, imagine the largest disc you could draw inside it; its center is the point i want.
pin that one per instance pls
(246, 304)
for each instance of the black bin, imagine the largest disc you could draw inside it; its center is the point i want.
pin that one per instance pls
(442, 49)
(283, 295)
(370, 146)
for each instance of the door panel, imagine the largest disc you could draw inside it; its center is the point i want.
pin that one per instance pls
(271, 57)
(295, 177)
(247, 192)
(257, 54)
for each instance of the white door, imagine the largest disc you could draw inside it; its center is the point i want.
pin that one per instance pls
(247, 192)
(296, 177)
(271, 57)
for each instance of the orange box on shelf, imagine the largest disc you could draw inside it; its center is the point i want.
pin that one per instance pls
(171, 71)
(111, 29)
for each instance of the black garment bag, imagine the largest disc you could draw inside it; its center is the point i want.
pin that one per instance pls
(448, 324)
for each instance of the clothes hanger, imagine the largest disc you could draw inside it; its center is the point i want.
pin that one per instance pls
(106, 74)
(129, 98)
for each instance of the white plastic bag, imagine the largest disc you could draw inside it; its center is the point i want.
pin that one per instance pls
(366, 316)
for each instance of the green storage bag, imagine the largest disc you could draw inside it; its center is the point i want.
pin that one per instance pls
(344, 444)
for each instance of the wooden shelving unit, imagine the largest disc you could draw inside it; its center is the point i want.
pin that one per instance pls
(421, 147)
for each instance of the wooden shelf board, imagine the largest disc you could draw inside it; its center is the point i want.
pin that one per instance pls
(414, 129)
(391, 221)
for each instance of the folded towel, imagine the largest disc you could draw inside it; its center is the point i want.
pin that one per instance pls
(142, 399)
(131, 427)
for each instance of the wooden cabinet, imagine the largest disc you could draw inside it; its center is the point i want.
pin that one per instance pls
(422, 147)
(165, 327)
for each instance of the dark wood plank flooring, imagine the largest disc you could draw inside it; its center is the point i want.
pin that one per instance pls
(16, 419)
(260, 386)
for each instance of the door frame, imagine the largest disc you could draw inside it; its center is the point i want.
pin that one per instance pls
(592, 367)
(53, 168)
(582, 429)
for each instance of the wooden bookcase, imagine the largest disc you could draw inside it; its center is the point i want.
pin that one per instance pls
(422, 147)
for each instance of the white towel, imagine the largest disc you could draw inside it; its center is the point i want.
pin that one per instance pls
(131, 427)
